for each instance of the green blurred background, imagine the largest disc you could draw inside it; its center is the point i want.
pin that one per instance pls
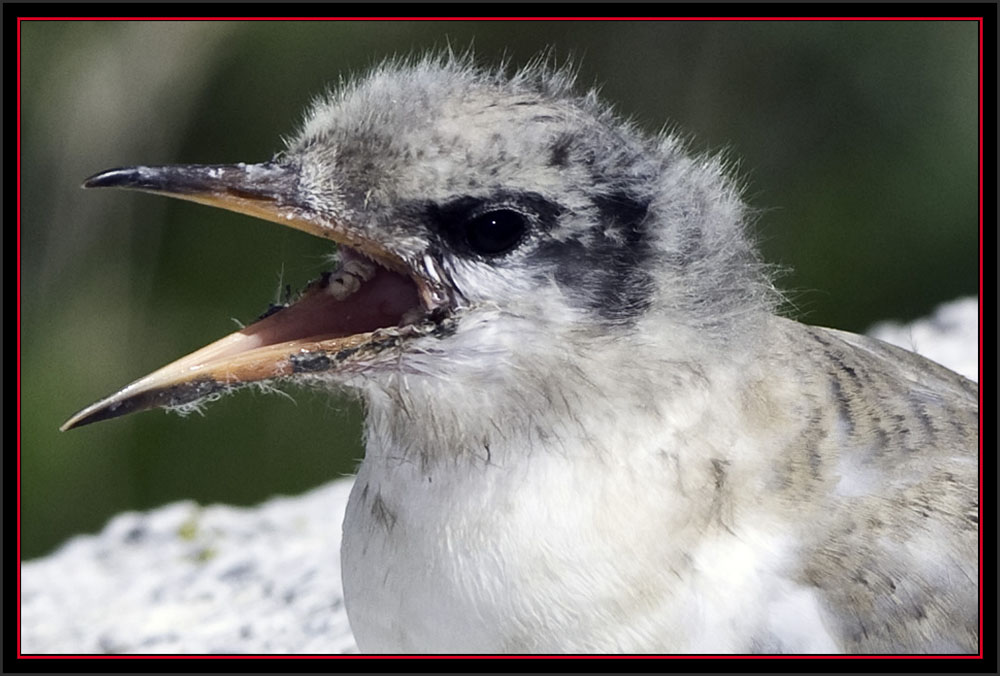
(858, 141)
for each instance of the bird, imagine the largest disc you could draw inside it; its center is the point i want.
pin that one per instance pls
(589, 427)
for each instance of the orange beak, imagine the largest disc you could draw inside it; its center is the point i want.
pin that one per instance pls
(324, 329)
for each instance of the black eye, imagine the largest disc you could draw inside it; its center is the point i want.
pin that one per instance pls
(495, 232)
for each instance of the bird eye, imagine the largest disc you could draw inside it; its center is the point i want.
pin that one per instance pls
(495, 232)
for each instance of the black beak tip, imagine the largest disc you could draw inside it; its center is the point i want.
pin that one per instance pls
(113, 178)
(90, 415)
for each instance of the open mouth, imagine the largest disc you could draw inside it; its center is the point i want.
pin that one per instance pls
(372, 303)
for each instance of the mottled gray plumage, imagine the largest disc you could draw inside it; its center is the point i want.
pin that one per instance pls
(598, 435)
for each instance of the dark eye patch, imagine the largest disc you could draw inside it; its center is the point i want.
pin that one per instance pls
(606, 267)
(603, 265)
(489, 227)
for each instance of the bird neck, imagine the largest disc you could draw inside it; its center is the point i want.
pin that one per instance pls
(600, 400)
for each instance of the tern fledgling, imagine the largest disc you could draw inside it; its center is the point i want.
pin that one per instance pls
(587, 428)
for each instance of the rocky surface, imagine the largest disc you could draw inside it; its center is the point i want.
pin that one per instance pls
(189, 579)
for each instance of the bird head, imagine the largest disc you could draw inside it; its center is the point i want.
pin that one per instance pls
(487, 225)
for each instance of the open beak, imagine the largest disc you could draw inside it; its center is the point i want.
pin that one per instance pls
(334, 318)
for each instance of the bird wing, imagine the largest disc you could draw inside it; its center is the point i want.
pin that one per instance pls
(895, 550)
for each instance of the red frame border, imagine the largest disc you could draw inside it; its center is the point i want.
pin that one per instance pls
(978, 19)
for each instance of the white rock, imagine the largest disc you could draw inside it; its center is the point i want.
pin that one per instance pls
(950, 336)
(187, 579)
